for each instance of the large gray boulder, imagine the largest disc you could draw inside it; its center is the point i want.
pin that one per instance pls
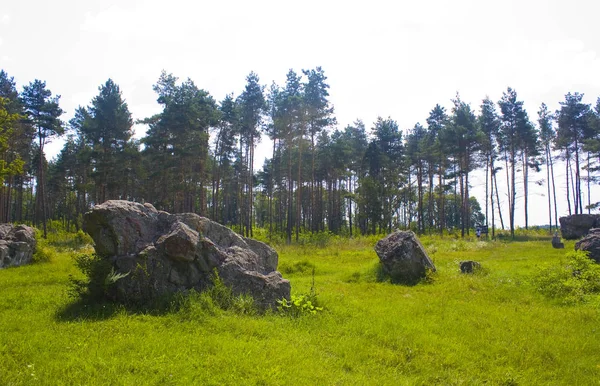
(591, 244)
(17, 245)
(403, 257)
(164, 253)
(578, 225)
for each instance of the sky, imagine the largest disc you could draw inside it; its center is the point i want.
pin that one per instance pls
(382, 58)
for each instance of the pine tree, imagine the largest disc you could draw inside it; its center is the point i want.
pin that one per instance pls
(43, 113)
(490, 126)
(107, 133)
(515, 123)
(547, 135)
(319, 115)
(252, 107)
(573, 129)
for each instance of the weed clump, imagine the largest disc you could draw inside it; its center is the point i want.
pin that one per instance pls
(298, 305)
(571, 283)
(216, 298)
(300, 267)
(99, 277)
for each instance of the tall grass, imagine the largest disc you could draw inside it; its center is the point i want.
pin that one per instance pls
(494, 327)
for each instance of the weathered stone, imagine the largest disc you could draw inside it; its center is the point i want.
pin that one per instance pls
(180, 244)
(557, 243)
(591, 244)
(469, 266)
(17, 245)
(403, 257)
(578, 225)
(165, 253)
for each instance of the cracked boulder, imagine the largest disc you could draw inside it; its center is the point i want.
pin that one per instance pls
(17, 245)
(403, 257)
(162, 253)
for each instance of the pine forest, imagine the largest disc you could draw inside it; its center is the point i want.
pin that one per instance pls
(198, 155)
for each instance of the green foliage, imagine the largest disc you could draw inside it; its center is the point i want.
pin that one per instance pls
(67, 241)
(8, 166)
(99, 276)
(572, 282)
(297, 267)
(302, 304)
(43, 252)
(218, 297)
(316, 239)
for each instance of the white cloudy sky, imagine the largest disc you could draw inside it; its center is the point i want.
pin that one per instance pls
(383, 58)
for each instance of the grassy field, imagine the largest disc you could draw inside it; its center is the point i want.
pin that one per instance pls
(490, 328)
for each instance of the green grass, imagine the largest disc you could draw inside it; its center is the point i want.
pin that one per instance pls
(489, 328)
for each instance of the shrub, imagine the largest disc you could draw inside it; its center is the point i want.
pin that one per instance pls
(572, 282)
(217, 297)
(297, 267)
(43, 251)
(99, 277)
(66, 240)
(299, 305)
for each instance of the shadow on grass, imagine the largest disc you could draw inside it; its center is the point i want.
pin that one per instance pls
(96, 310)
(379, 275)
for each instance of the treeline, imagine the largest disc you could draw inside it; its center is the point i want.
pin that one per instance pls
(198, 155)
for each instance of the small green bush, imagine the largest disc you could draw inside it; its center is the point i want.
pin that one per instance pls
(64, 240)
(298, 305)
(43, 252)
(302, 266)
(218, 297)
(99, 277)
(572, 282)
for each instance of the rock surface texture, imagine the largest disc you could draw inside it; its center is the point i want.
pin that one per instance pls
(17, 245)
(578, 225)
(591, 244)
(403, 257)
(164, 253)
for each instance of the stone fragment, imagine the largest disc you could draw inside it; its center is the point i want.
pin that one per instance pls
(469, 266)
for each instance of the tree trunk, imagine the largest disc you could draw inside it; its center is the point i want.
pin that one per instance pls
(578, 200)
(547, 151)
(441, 208)
(41, 186)
(588, 185)
(290, 194)
(299, 189)
(567, 177)
(525, 187)
(513, 193)
(250, 219)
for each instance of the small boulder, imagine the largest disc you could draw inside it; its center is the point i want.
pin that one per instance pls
(17, 245)
(403, 257)
(556, 242)
(591, 244)
(469, 266)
